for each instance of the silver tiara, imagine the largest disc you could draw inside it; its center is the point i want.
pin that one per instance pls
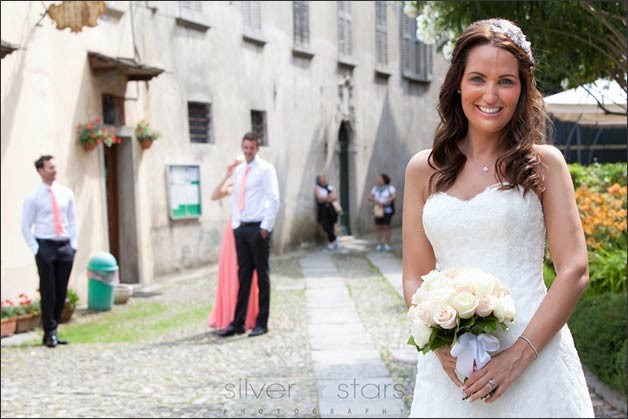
(512, 31)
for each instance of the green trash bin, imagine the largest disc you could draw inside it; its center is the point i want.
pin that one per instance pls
(102, 271)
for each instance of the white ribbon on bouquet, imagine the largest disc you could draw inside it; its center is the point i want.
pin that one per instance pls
(471, 349)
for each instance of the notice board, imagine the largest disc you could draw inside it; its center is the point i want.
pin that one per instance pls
(184, 191)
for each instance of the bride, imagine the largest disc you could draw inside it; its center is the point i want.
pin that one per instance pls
(485, 196)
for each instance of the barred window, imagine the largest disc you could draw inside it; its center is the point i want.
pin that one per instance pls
(301, 12)
(258, 125)
(200, 121)
(417, 58)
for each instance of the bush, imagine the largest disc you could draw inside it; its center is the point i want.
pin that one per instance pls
(71, 298)
(598, 176)
(599, 329)
(607, 270)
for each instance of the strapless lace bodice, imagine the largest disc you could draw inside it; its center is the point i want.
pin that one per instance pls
(501, 232)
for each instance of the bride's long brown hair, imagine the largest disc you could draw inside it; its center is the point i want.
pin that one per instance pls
(520, 164)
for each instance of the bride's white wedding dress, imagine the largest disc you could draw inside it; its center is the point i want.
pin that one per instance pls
(501, 232)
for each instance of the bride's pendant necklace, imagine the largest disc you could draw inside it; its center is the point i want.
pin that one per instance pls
(485, 168)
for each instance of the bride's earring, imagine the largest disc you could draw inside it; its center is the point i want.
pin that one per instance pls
(458, 91)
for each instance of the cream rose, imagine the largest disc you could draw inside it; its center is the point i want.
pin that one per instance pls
(466, 303)
(445, 316)
(421, 333)
(486, 305)
(504, 309)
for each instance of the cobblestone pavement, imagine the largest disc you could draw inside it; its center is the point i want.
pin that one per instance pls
(193, 373)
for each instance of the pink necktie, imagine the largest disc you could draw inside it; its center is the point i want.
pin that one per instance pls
(56, 214)
(243, 188)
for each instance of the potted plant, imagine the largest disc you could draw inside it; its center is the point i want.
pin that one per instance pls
(28, 314)
(144, 134)
(93, 133)
(9, 318)
(71, 299)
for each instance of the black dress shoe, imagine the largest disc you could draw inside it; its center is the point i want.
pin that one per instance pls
(229, 331)
(61, 341)
(51, 341)
(259, 330)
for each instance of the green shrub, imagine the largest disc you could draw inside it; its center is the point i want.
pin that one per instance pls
(607, 270)
(599, 329)
(598, 176)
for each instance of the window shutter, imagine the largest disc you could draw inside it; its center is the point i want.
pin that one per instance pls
(256, 14)
(406, 40)
(381, 33)
(192, 6)
(430, 60)
(252, 15)
(301, 22)
(344, 28)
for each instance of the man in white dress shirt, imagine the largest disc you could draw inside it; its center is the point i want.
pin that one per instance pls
(255, 201)
(51, 209)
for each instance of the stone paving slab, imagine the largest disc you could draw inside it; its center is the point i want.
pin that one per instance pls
(360, 397)
(343, 353)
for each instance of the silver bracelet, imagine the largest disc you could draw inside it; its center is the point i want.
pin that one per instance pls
(536, 353)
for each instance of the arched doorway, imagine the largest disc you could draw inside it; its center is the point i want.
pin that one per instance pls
(343, 155)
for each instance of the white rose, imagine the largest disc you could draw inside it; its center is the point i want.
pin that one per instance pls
(421, 333)
(504, 309)
(431, 276)
(466, 303)
(441, 294)
(445, 317)
(483, 284)
(486, 305)
(410, 9)
(425, 312)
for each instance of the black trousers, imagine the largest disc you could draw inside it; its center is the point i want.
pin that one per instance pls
(327, 218)
(54, 263)
(253, 252)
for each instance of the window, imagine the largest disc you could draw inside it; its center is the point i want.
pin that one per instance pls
(191, 6)
(301, 12)
(258, 125)
(191, 15)
(381, 34)
(344, 29)
(200, 121)
(112, 109)
(417, 58)
(252, 14)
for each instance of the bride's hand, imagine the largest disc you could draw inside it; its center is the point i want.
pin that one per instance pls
(448, 363)
(500, 372)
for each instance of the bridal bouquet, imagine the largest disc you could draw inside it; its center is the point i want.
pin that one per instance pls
(460, 308)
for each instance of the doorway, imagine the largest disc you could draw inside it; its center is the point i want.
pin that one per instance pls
(343, 141)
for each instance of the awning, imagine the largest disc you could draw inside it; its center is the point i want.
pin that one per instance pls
(580, 104)
(129, 67)
(6, 48)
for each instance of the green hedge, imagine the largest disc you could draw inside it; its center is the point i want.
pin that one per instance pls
(598, 176)
(599, 326)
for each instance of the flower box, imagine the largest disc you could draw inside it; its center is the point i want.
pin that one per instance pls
(66, 314)
(8, 326)
(27, 322)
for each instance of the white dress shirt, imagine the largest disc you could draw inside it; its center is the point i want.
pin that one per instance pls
(37, 210)
(261, 196)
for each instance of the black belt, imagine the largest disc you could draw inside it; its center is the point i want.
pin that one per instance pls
(252, 223)
(59, 243)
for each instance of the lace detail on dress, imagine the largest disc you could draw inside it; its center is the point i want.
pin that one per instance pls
(503, 233)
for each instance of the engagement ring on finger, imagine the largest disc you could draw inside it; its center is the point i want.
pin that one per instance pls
(492, 384)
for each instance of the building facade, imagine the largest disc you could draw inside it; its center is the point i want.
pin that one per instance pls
(343, 88)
